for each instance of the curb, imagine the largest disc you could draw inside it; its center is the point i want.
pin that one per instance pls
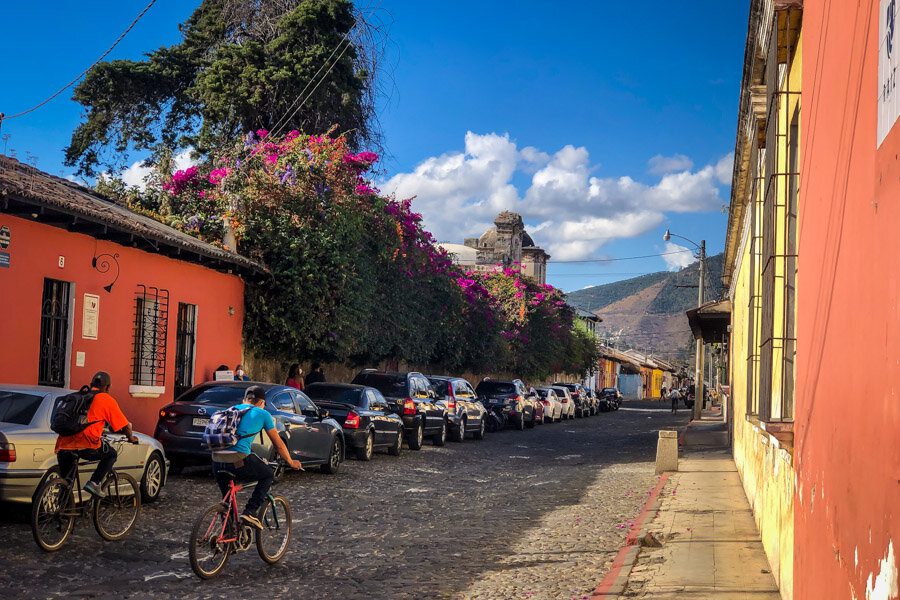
(614, 583)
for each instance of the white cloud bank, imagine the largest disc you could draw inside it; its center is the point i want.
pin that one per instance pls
(660, 165)
(136, 174)
(676, 262)
(570, 212)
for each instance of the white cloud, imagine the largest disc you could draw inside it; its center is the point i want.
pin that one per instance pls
(660, 165)
(136, 174)
(570, 212)
(725, 168)
(675, 262)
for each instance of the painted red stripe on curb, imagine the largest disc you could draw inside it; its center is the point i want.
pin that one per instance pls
(619, 561)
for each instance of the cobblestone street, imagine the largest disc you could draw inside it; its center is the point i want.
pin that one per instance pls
(537, 514)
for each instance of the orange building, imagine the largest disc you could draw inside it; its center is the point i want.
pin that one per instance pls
(88, 285)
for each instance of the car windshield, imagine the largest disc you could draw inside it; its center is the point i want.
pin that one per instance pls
(18, 407)
(495, 388)
(388, 385)
(561, 392)
(609, 391)
(439, 386)
(543, 393)
(218, 395)
(334, 393)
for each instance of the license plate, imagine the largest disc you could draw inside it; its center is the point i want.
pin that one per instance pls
(201, 422)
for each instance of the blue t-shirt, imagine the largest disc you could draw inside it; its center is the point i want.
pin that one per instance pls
(254, 420)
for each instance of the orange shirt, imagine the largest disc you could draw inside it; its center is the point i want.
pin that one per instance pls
(105, 410)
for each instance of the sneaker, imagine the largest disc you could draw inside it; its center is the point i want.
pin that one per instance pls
(93, 489)
(251, 520)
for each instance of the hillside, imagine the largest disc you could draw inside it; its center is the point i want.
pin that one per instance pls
(647, 312)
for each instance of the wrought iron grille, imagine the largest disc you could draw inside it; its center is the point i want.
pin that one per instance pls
(151, 318)
(185, 336)
(54, 333)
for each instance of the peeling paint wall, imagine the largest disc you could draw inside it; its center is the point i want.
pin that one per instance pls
(847, 431)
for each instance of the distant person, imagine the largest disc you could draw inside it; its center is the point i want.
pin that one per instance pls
(295, 377)
(316, 374)
(662, 392)
(674, 397)
(240, 374)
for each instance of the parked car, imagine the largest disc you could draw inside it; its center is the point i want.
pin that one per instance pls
(509, 397)
(27, 447)
(565, 397)
(579, 397)
(366, 416)
(465, 413)
(537, 408)
(611, 398)
(553, 408)
(309, 433)
(410, 395)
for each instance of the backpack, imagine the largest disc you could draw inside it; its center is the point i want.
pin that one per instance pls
(221, 431)
(70, 414)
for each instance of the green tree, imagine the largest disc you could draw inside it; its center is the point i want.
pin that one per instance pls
(241, 66)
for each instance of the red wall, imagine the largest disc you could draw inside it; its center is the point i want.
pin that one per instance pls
(847, 431)
(34, 254)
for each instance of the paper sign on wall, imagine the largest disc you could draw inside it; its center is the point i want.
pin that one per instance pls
(90, 317)
(888, 72)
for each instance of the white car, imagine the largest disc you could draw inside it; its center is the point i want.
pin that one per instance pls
(553, 408)
(27, 447)
(565, 397)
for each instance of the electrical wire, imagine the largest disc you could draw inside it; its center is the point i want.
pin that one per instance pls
(83, 73)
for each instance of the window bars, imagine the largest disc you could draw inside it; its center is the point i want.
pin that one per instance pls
(151, 318)
(185, 336)
(54, 333)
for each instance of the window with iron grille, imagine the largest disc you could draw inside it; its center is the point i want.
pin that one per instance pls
(54, 333)
(185, 336)
(151, 318)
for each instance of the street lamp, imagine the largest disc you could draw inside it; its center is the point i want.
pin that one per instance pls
(698, 361)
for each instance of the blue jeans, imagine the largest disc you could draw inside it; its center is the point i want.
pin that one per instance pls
(250, 469)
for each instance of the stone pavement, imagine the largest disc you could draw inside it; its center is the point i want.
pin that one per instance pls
(710, 546)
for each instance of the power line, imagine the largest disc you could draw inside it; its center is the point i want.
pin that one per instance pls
(83, 73)
(592, 260)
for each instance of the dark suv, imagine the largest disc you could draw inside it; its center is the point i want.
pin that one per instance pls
(584, 406)
(510, 398)
(411, 396)
(465, 413)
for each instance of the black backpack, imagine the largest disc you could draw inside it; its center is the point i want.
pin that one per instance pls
(70, 413)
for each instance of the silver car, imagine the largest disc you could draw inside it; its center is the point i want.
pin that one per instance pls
(27, 447)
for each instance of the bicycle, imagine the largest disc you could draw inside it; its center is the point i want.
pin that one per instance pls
(56, 506)
(218, 532)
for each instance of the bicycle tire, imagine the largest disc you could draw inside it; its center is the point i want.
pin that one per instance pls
(207, 525)
(117, 502)
(46, 510)
(275, 517)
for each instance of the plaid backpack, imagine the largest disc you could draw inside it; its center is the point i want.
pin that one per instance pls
(221, 431)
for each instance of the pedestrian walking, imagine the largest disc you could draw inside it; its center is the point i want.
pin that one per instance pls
(674, 397)
(316, 375)
(295, 377)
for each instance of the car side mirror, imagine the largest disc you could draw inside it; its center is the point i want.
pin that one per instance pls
(324, 414)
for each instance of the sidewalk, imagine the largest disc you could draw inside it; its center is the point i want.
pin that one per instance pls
(708, 544)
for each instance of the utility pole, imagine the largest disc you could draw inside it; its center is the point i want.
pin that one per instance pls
(698, 367)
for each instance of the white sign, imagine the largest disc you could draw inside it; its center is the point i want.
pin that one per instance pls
(90, 317)
(888, 63)
(224, 376)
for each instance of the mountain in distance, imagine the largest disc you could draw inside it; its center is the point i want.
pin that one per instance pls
(647, 312)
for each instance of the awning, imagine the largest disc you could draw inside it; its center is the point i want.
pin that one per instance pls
(710, 321)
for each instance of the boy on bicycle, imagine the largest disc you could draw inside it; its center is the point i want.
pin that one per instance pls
(89, 444)
(240, 460)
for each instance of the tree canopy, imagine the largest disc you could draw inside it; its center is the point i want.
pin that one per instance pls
(241, 66)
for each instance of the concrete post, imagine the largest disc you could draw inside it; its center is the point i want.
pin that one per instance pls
(667, 451)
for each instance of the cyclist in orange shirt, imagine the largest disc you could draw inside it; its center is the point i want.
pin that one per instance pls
(88, 444)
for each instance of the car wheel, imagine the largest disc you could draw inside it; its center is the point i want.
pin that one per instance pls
(520, 422)
(440, 438)
(532, 422)
(335, 457)
(365, 453)
(398, 445)
(153, 479)
(479, 435)
(459, 433)
(417, 438)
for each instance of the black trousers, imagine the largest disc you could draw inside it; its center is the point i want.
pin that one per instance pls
(674, 405)
(251, 468)
(106, 456)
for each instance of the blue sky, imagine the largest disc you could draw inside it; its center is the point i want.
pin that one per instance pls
(550, 109)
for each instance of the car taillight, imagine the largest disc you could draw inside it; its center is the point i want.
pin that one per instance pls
(409, 407)
(352, 421)
(7, 452)
(565, 400)
(451, 403)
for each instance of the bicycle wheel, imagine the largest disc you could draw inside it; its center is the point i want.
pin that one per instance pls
(209, 556)
(52, 518)
(117, 511)
(272, 540)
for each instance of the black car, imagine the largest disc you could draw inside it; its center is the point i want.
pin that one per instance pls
(410, 396)
(583, 405)
(509, 397)
(465, 413)
(310, 434)
(365, 415)
(611, 397)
